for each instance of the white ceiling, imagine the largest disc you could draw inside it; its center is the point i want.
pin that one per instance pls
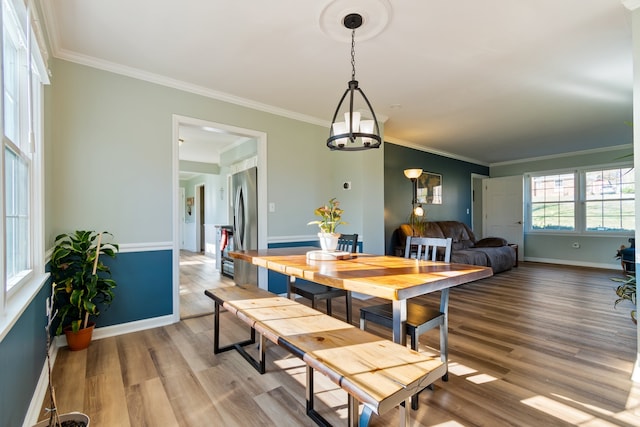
(489, 81)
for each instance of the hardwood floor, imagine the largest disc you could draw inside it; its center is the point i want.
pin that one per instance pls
(197, 273)
(540, 345)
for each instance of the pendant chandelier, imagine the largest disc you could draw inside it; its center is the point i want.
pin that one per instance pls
(353, 134)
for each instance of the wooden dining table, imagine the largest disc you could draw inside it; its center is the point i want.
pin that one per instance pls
(389, 277)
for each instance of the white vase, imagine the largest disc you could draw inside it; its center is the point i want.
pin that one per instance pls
(329, 241)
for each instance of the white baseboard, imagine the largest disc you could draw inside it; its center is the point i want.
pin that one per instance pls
(612, 266)
(33, 413)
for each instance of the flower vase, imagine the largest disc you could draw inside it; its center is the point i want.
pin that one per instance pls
(329, 241)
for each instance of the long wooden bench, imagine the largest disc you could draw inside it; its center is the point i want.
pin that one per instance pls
(376, 372)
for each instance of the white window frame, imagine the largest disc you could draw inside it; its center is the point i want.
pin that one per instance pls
(13, 302)
(579, 201)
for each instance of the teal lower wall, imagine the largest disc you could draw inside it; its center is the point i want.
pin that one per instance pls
(144, 291)
(145, 287)
(22, 356)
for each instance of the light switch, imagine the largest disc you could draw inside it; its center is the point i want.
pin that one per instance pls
(272, 207)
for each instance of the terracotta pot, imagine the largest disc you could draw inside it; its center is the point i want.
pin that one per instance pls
(81, 339)
(78, 417)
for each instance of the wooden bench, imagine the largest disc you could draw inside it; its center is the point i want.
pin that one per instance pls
(374, 371)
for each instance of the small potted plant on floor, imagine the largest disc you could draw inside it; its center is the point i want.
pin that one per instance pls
(82, 281)
(626, 291)
(330, 215)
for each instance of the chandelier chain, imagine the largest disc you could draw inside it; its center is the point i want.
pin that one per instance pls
(353, 54)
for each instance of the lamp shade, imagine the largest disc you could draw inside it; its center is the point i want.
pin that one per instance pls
(412, 173)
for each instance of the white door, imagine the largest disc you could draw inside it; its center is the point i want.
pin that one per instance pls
(503, 210)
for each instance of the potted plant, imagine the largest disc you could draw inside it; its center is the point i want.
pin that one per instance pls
(72, 419)
(82, 282)
(627, 292)
(330, 215)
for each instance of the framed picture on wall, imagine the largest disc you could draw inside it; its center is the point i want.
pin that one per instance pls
(430, 188)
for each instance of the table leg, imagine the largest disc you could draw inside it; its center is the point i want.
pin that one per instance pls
(444, 332)
(290, 281)
(400, 321)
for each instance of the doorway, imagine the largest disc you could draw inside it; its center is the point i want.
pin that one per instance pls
(204, 200)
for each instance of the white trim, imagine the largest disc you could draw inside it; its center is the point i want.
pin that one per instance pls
(403, 143)
(292, 239)
(145, 247)
(569, 154)
(631, 4)
(17, 303)
(184, 86)
(304, 238)
(130, 247)
(614, 266)
(33, 413)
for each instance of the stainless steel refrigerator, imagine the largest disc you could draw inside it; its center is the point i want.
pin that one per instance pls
(245, 222)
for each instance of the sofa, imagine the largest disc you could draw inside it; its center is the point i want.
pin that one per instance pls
(492, 252)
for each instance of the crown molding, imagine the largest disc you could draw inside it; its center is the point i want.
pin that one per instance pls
(414, 146)
(570, 154)
(631, 4)
(186, 87)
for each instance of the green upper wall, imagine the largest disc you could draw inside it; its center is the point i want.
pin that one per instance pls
(109, 156)
(595, 251)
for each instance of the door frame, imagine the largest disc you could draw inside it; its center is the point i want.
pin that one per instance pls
(474, 227)
(261, 137)
(199, 220)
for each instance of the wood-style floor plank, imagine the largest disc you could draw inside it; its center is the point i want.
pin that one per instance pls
(540, 345)
(148, 405)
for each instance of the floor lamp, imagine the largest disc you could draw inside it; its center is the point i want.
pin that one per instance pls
(416, 208)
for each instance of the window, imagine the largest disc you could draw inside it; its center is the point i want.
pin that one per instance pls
(588, 200)
(610, 200)
(17, 160)
(23, 76)
(553, 202)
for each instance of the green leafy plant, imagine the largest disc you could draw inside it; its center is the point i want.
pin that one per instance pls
(626, 291)
(418, 223)
(81, 280)
(331, 216)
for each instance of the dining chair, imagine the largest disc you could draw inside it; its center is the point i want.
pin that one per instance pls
(420, 318)
(316, 292)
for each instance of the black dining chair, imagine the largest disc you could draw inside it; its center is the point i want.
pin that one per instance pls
(316, 292)
(420, 318)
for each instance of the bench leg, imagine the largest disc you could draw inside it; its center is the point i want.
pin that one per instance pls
(259, 365)
(216, 334)
(311, 412)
